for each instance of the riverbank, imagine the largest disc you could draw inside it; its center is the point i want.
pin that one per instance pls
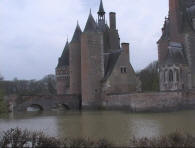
(18, 138)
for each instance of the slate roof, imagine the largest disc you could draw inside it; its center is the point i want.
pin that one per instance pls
(175, 54)
(165, 30)
(91, 25)
(110, 60)
(189, 3)
(191, 11)
(77, 34)
(64, 59)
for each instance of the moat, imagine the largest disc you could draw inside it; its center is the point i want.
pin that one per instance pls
(115, 126)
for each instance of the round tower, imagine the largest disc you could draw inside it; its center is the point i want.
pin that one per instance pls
(62, 72)
(92, 64)
(75, 62)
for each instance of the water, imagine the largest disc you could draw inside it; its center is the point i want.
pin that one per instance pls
(115, 126)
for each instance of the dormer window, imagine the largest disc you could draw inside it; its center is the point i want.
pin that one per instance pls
(123, 69)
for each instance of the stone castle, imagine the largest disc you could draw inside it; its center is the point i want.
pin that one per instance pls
(176, 47)
(94, 71)
(94, 64)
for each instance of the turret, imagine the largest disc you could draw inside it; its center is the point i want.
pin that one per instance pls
(62, 72)
(101, 14)
(75, 61)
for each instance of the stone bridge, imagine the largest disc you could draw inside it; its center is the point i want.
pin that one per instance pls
(46, 103)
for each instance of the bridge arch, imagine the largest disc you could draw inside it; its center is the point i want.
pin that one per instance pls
(63, 106)
(34, 107)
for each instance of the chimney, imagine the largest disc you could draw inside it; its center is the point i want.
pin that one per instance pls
(113, 20)
(125, 47)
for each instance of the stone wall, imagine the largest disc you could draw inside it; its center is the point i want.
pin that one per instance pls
(150, 102)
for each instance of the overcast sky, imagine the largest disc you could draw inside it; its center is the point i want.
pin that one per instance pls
(33, 32)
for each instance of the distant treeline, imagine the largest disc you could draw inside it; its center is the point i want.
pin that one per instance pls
(44, 86)
(149, 77)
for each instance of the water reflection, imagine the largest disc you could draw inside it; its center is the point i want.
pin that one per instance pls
(115, 126)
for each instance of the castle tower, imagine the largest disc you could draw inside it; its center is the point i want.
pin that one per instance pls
(175, 23)
(62, 72)
(75, 62)
(171, 30)
(101, 14)
(92, 64)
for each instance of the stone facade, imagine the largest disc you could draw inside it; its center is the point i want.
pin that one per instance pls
(98, 65)
(176, 47)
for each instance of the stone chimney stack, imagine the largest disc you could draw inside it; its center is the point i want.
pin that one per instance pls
(125, 47)
(112, 20)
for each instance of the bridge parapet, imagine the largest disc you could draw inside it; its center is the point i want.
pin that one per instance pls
(72, 102)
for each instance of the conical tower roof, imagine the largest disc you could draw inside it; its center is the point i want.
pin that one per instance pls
(64, 59)
(91, 25)
(77, 34)
(101, 8)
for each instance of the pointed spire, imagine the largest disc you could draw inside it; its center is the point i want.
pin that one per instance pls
(101, 9)
(77, 33)
(66, 47)
(91, 24)
(90, 11)
(64, 59)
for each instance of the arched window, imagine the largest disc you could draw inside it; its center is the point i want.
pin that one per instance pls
(170, 75)
(177, 75)
(164, 76)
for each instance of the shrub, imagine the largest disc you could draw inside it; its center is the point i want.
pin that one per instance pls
(175, 139)
(18, 138)
(3, 106)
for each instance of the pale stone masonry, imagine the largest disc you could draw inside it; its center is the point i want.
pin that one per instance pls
(94, 64)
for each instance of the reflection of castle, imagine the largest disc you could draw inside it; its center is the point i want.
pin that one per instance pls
(176, 47)
(94, 64)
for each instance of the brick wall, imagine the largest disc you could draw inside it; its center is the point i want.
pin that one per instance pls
(154, 102)
(75, 68)
(92, 68)
(63, 80)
